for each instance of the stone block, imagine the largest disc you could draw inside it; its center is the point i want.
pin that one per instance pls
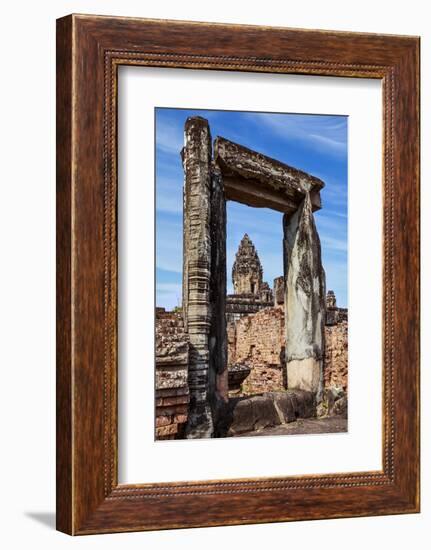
(340, 407)
(279, 290)
(304, 403)
(172, 401)
(334, 403)
(284, 405)
(254, 413)
(180, 418)
(175, 409)
(164, 432)
(163, 420)
(265, 413)
(304, 374)
(257, 180)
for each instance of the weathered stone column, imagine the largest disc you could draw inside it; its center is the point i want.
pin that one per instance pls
(304, 300)
(218, 373)
(196, 270)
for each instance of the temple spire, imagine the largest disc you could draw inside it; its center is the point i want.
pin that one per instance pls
(247, 270)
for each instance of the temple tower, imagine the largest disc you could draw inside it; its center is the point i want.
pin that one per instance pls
(247, 269)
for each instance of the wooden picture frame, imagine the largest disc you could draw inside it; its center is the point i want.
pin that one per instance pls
(89, 51)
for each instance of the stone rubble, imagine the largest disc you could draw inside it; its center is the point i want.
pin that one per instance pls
(270, 409)
(336, 356)
(172, 389)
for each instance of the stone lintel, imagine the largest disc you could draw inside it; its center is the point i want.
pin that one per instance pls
(260, 181)
(253, 193)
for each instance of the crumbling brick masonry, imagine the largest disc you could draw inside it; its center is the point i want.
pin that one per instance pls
(172, 390)
(257, 341)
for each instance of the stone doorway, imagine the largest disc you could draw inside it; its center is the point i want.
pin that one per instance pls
(214, 174)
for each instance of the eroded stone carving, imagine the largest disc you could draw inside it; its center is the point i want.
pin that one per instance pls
(218, 369)
(279, 291)
(261, 181)
(304, 300)
(197, 271)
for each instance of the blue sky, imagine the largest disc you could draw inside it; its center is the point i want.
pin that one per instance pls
(316, 144)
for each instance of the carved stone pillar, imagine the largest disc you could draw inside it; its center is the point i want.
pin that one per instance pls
(304, 300)
(218, 374)
(197, 270)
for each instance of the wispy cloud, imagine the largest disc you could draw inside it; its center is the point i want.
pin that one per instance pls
(338, 245)
(169, 195)
(325, 133)
(169, 137)
(169, 288)
(337, 214)
(338, 146)
(168, 263)
(333, 231)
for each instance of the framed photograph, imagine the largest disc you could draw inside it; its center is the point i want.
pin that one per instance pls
(237, 274)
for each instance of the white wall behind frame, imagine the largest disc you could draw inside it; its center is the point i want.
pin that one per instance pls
(141, 458)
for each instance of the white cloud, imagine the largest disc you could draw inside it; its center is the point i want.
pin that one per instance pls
(332, 243)
(169, 203)
(324, 133)
(169, 137)
(338, 146)
(166, 265)
(169, 288)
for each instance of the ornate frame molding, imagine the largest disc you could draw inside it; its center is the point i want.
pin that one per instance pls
(90, 49)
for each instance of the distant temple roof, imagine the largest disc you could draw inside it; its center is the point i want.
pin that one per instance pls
(247, 260)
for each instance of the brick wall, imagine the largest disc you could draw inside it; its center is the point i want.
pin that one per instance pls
(336, 355)
(258, 341)
(172, 391)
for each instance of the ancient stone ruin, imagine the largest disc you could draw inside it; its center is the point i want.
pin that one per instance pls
(257, 337)
(172, 389)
